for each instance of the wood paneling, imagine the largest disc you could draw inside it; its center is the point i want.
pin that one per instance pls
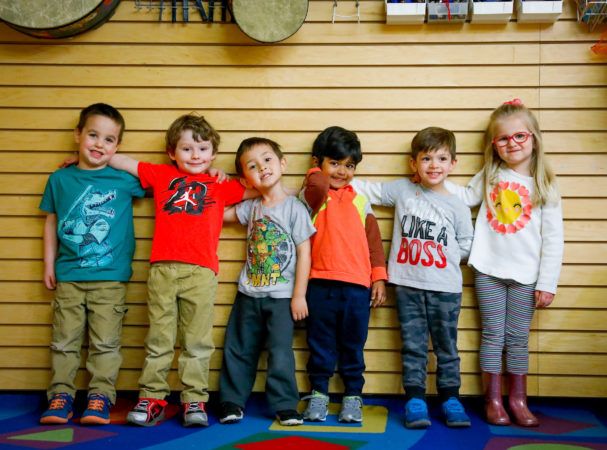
(384, 82)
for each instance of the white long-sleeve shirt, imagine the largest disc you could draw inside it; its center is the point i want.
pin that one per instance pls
(432, 234)
(520, 242)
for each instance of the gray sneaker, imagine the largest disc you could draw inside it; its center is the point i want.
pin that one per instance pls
(351, 409)
(318, 407)
(194, 414)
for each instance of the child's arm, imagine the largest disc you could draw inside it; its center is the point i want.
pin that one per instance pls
(126, 163)
(50, 250)
(229, 214)
(370, 189)
(472, 194)
(464, 231)
(378, 261)
(299, 307)
(552, 254)
(316, 189)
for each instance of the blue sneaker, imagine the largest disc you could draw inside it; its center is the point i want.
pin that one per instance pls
(59, 410)
(455, 414)
(97, 411)
(416, 414)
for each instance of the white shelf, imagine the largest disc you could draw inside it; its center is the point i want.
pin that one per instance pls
(491, 11)
(538, 11)
(405, 13)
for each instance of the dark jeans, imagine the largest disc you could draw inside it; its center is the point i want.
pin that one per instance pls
(253, 323)
(337, 325)
(420, 313)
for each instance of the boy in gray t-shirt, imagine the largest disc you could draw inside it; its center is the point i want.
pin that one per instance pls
(432, 233)
(271, 288)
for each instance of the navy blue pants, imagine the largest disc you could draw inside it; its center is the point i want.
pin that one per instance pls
(337, 326)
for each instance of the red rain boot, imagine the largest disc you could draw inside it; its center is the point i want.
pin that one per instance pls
(494, 408)
(518, 401)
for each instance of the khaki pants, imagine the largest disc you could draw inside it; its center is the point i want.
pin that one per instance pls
(101, 304)
(181, 298)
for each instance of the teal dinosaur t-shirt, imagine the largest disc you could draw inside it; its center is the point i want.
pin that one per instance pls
(94, 212)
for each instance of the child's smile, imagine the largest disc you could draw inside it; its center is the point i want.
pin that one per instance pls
(261, 167)
(97, 142)
(192, 156)
(433, 167)
(340, 172)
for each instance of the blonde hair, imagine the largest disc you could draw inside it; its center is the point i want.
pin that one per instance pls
(544, 180)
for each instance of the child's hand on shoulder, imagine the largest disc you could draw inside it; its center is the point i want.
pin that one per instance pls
(220, 174)
(543, 299)
(70, 161)
(299, 308)
(378, 293)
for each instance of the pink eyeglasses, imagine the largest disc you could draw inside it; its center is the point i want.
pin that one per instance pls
(520, 137)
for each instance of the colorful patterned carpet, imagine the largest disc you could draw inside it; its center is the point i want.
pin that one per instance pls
(566, 424)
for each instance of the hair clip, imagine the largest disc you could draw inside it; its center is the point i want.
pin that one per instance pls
(514, 102)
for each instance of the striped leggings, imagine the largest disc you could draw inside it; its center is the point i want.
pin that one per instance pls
(506, 308)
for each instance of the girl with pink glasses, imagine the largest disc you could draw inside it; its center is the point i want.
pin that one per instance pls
(516, 253)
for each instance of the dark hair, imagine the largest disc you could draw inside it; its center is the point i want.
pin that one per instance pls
(201, 131)
(433, 138)
(337, 143)
(101, 109)
(251, 142)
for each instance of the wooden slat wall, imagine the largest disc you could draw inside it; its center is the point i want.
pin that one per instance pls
(385, 82)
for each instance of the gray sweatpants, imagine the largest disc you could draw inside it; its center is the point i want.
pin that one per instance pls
(422, 313)
(253, 324)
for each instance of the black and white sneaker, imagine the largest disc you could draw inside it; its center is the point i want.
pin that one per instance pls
(289, 417)
(230, 413)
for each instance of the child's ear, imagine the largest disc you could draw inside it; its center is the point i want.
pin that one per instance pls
(315, 162)
(76, 135)
(413, 165)
(283, 163)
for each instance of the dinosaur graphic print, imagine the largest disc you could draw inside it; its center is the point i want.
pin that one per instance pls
(87, 224)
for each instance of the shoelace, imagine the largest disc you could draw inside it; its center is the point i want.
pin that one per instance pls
(416, 407)
(353, 403)
(57, 403)
(454, 406)
(317, 401)
(142, 405)
(194, 407)
(96, 403)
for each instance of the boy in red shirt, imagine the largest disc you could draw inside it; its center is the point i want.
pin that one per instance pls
(347, 274)
(182, 282)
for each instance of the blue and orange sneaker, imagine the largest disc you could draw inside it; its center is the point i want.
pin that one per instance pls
(59, 410)
(97, 411)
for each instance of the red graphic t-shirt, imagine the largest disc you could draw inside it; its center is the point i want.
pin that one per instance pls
(189, 213)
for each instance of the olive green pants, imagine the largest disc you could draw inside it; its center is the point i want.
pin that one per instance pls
(181, 298)
(101, 304)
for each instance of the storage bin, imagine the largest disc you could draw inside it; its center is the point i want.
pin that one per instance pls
(456, 12)
(491, 11)
(405, 13)
(534, 11)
